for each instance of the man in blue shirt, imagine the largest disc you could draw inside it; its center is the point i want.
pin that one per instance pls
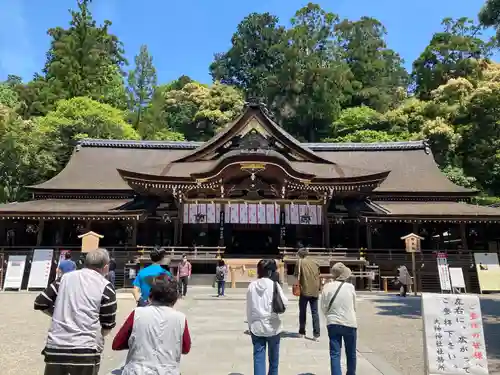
(66, 265)
(150, 274)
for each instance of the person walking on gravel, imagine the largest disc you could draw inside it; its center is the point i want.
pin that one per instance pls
(183, 275)
(308, 277)
(82, 305)
(338, 303)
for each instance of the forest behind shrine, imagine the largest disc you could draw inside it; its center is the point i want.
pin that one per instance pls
(323, 78)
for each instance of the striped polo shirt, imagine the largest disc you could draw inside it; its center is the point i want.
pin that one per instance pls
(82, 304)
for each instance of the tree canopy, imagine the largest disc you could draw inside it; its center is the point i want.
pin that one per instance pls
(322, 77)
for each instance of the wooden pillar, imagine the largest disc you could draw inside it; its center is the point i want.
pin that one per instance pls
(39, 234)
(356, 228)
(176, 222)
(463, 236)
(222, 222)
(181, 222)
(282, 225)
(368, 236)
(326, 227)
(134, 233)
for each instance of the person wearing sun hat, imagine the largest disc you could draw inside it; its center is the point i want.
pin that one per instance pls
(338, 303)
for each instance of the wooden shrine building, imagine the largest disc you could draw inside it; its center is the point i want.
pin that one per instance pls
(253, 191)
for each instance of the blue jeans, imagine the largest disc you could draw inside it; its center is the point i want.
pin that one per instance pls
(337, 333)
(313, 302)
(221, 284)
(259, 354)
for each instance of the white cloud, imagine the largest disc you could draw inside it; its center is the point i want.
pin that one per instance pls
(16, 52)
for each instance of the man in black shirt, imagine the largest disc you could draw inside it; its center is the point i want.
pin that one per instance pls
(111, 274)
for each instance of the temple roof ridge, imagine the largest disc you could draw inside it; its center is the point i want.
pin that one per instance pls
(317, 146)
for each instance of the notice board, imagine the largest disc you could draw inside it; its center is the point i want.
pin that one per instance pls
(488, 271)
(15, 272)
(453, 335)
(40, 268)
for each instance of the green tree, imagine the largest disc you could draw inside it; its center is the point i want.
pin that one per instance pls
(198, 111)
(371, 136)
(312, 81)
(82, 117)
(141, 85)
(8, 96)
(85, 60)
(24, 156)
(354, 119)
(256, 54)
(490, 15)
(455, 52)
(379, 79)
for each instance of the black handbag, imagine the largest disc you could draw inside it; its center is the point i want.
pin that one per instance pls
(277, 303)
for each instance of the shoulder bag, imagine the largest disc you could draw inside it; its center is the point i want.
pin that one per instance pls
(277, 304)
(334, 296)
(296, 286)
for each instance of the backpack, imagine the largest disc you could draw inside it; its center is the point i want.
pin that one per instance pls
(219, 275)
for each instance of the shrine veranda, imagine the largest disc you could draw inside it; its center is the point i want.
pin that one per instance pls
(250, 192)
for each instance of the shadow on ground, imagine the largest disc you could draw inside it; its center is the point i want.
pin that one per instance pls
(410, 308)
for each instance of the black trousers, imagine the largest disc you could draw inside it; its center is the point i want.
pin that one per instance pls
(51, 369)
(183, 285)
(405, 290)
(313, 303)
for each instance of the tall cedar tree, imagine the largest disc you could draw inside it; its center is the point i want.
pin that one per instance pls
(141, 85)
(86, 60)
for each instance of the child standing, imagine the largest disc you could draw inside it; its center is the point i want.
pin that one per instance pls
(221, 272)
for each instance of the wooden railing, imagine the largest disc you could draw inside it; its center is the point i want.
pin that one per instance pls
(193, 253)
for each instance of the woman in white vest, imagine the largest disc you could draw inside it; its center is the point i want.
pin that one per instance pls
(152, 349)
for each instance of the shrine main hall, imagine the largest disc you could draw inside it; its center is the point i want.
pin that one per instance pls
(254, 191)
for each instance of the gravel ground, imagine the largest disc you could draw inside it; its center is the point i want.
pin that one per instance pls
(392, 328)
(388, 325)
(23, 332)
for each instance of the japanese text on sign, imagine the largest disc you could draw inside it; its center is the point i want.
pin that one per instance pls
(453, 335)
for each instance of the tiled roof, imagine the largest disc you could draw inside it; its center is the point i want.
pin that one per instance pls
(191, 145)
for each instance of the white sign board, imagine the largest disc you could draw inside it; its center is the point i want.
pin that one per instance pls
(488, 271)
(457, 277)
(453, 335)
(444, 274)
(15, 272)
(40, 268)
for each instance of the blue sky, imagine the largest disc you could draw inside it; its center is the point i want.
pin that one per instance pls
(183, 35)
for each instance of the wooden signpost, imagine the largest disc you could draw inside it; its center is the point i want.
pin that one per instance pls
(412, 245)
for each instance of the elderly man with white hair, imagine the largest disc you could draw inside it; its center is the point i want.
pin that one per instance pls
(82, 305)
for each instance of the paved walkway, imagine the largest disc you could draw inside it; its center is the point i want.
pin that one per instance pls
(221, 347)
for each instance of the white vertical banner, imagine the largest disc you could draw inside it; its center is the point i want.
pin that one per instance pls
(294, 214)
(277, 214)
(313, 212)
(235, 213)
(185, 214)
(227, 213)
(210, 213)
(15, 272)
(261, 219)
(192, 213)
(252, 213)
(40, 268)
(443, 271)
(243, 207)
(217, 212)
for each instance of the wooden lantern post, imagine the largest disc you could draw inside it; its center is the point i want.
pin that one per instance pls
(412, 245)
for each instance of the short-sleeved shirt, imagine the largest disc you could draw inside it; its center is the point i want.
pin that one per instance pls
(148, 276)
(67, 265)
